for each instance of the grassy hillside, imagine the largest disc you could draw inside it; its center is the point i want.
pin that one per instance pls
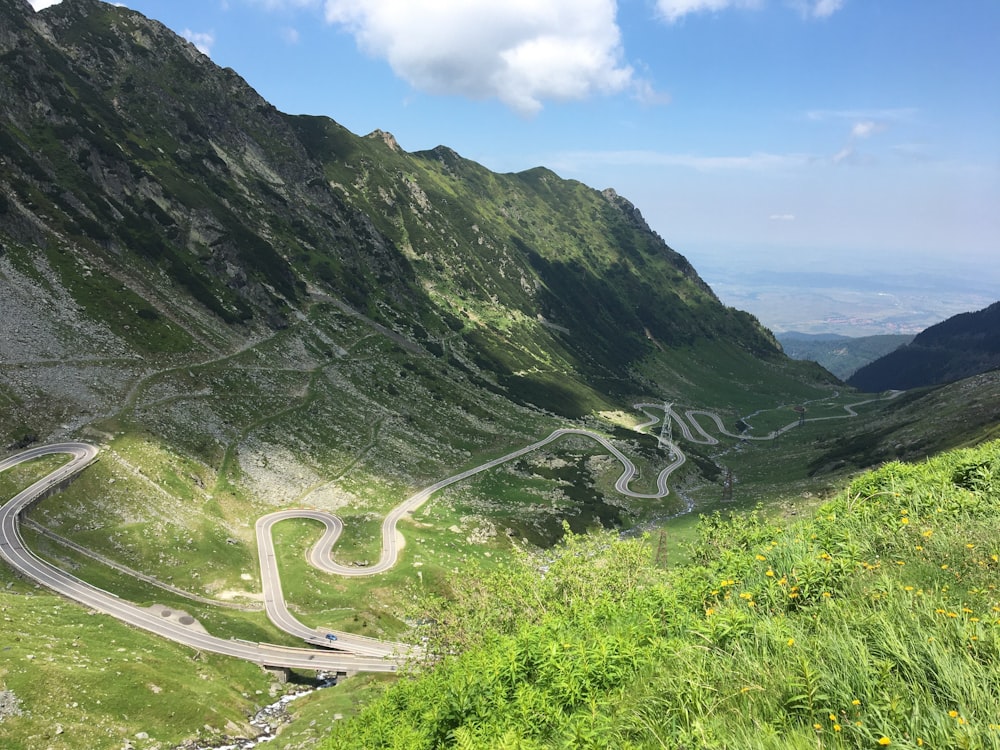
(875, 622)
(916, 424)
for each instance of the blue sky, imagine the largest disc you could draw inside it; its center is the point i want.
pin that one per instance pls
(861, 136)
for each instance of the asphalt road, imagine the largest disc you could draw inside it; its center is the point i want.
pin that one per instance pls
(14, 551)
(321, 554)
(366, 654)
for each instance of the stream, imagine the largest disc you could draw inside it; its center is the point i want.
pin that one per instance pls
(268, 719)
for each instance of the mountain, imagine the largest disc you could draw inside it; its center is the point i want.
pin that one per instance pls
(959, 347)
(841, 355)
(178, 211)
(249, 310)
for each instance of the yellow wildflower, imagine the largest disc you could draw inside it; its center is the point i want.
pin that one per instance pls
(884, 741)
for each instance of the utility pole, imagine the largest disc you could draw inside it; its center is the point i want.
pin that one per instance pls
(667, 440)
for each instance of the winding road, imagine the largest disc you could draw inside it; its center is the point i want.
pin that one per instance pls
(354, 653)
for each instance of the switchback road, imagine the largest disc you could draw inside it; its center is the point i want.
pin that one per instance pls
(366, 654)
(14, 551)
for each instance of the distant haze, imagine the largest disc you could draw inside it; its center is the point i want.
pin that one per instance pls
(859, 297)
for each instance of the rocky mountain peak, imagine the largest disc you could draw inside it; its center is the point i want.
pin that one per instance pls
(387, 138)
(627, 208)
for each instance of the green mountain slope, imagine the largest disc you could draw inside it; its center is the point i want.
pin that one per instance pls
(962, 346)
(873, 623)
(169, 184)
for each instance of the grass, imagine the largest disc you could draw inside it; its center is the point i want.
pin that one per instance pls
(86, 681)
(313, 714)
(873, 622)
(249, 625)
(23, 475)
(321, 600)
(188, 504)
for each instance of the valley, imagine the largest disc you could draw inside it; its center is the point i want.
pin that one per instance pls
(315, 384)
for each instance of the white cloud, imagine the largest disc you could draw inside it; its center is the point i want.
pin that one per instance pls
(645, 93)
(817, 8)
(521, 52)
(287, 4)
(860, 131)
(891, 114)
(866, 128)
(826, 8)
(674, 10)
(846, 154)
(866, 124)
(42, 4)
(782, 217)
(290, 35)
(202, 40)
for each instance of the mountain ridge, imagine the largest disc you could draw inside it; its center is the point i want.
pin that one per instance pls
(178, 181)
(964, 345)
